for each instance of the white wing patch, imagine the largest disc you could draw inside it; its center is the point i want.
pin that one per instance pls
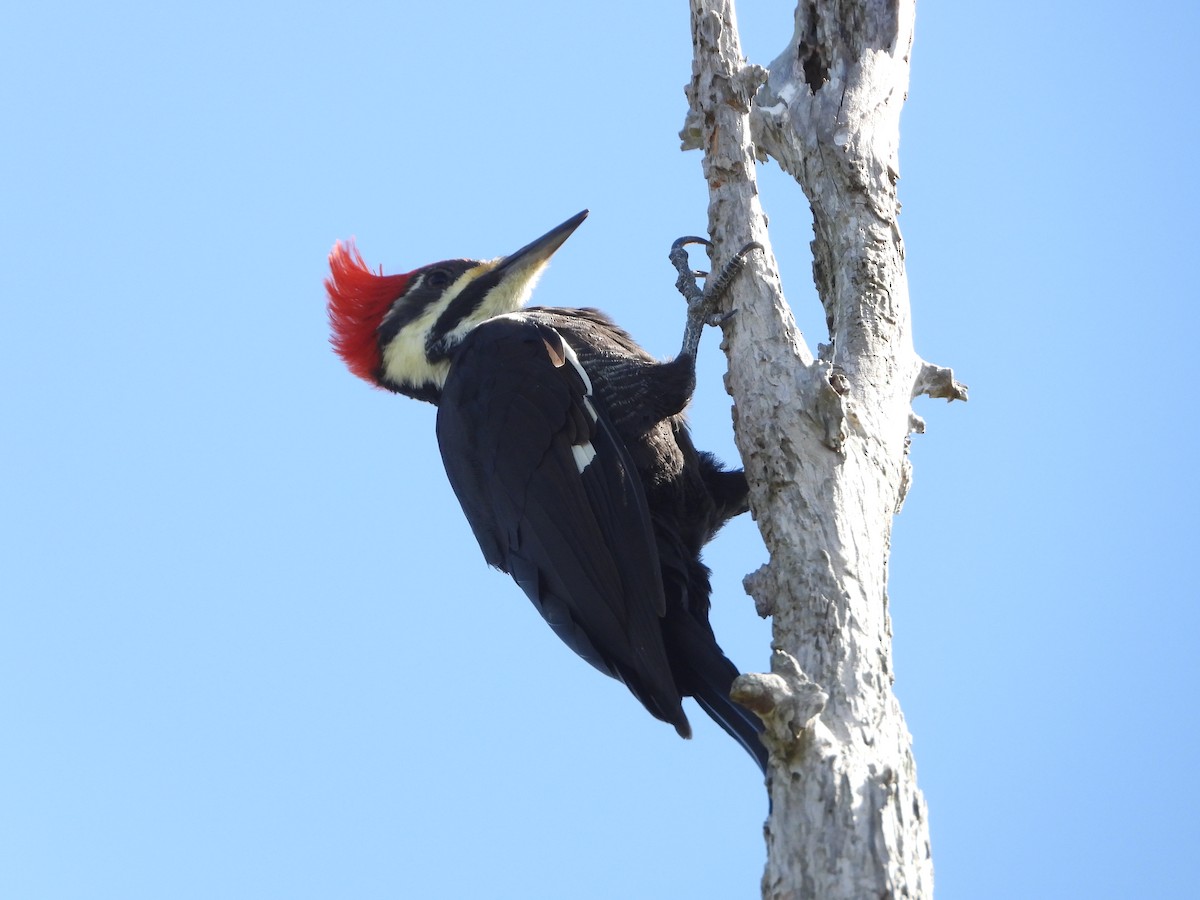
(587, 382)
(584, 453)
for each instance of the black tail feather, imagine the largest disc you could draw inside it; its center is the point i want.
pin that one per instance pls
(704, 673)
(739, 723)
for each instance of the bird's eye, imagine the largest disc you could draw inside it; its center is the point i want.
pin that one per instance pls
(437, 278)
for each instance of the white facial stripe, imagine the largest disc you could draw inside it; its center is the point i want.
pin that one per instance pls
(404, 359)
(508, 296)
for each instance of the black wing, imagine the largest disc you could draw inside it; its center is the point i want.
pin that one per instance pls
(554, 500)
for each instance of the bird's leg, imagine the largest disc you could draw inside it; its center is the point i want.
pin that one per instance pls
(666, 388)
(702, 302)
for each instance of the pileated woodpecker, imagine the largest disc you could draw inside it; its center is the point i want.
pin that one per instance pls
(566, 445)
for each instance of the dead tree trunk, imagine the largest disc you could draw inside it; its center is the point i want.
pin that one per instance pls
(824, 437)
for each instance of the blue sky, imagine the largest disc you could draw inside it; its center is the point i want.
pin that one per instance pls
(248, 648)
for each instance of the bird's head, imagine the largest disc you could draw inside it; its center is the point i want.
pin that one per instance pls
(399, 331)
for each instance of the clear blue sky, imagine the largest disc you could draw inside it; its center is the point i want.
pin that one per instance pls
(248, 648)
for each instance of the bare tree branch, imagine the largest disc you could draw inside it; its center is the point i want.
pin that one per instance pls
(824, 439)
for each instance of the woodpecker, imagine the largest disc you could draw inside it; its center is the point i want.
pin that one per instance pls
(566, 446)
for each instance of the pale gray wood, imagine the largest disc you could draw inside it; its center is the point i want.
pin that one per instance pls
(824, 436)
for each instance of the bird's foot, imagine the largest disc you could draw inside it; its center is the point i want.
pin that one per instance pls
(703, 302)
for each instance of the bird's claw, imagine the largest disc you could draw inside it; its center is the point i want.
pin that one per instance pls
(687, 239)
(702, 302)
(686, 282)
(718, 319)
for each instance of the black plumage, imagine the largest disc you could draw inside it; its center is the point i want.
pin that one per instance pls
(608, 552)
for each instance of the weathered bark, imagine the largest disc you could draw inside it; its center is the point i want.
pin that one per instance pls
(824, 439)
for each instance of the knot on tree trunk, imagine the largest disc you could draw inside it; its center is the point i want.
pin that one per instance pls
(786, 699)
(938, 381)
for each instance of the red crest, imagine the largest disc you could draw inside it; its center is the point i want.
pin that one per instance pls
(358, 300)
